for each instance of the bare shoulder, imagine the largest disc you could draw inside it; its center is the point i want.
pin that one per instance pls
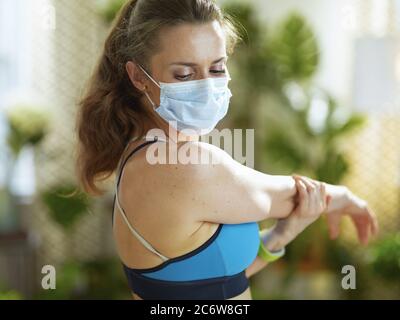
(182, 162)
(170, 177)
(194, 182)
(165, 173)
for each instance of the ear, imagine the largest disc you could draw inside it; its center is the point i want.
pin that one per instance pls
(136, 76)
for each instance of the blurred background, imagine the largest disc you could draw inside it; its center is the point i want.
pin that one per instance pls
(318, 80)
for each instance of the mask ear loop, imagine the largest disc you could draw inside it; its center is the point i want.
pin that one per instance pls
(147, 95)
(151, 101)
(150, 77)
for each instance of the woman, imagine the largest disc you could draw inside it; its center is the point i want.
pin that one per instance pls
(184, 230)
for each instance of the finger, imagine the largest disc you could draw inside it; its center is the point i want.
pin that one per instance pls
(302, 189)
(303, 197)
(374, 222)
(316, 184)
(310, 186)
(301, 186)
(362, 228)
(316, 204)
(321, 196)
(314, 200)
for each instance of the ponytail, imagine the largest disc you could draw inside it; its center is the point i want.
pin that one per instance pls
(110, 112)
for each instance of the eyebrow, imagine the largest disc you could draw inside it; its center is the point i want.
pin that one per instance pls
(191, 64)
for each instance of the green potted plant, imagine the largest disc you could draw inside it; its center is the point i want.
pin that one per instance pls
(384, 258)
(65, 206)
(65, 209)
(28, 125)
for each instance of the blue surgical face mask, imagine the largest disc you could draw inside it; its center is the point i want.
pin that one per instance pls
(197, 104)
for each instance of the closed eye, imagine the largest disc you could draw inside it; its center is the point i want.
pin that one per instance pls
(218, 71)
(186, 77)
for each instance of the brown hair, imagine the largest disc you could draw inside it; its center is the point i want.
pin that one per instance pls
(110, 112)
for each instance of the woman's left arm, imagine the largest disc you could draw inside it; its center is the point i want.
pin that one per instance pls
(257, 265)
(273, 243)
(341, 202)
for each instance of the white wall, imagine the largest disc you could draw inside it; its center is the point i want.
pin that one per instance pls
(334, 24)
(337, 23)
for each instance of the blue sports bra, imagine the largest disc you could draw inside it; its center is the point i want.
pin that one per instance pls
(215, 270)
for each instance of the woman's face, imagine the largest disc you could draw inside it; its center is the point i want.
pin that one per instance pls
(188, 52)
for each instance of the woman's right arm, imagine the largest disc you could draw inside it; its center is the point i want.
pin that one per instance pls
(224, 191)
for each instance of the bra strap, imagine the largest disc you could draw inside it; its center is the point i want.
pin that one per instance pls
(121, 210)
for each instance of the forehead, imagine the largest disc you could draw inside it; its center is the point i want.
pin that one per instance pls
(191, 43)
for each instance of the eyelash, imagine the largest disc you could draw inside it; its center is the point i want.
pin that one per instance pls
(187, 76)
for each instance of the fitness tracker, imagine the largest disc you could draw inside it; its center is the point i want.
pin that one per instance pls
(264, 253)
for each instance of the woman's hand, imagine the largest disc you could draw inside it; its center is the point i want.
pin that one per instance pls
(311, 193)
(311, 202)
(362, 216)
(344, 202)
